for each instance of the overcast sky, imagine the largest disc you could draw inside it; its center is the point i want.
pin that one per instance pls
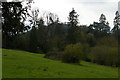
(88, 10)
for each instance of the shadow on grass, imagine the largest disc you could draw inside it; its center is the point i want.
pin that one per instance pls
(77, 64)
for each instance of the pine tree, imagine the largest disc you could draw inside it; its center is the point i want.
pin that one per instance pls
(73, 21)
(116, 22)
(104, 26)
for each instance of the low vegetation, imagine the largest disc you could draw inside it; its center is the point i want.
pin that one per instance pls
(73, 53)
(104, 55)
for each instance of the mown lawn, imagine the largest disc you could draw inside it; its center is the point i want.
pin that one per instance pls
(21, 64)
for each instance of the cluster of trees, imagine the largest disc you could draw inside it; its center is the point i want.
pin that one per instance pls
(68, 42)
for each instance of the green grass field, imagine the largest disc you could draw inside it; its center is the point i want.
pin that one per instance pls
(0, 63)
(21, 64)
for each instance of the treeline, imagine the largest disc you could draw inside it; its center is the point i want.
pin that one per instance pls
(68, 42)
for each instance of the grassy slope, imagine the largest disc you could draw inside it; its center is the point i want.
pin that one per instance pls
(0, 63)
(21, 64)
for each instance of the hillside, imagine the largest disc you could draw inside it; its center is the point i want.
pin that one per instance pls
(21, 64)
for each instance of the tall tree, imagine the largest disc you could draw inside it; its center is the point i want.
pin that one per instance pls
(33, 43)
(116, 22)
(13, 17)
(34, 18)
(116, 28)
(42, 36)
(104, 25)
(102, 19)
(101, 28)
(73, 18)
(73, 21)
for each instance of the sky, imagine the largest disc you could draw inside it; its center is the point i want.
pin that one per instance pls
(88, 10)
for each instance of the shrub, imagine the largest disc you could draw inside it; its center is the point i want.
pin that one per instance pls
(86, 51)
(112, 56)
(104, 55)
(72, 53)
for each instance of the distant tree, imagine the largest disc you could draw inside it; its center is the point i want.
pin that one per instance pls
(102, 19)
(104, 26)
(34, 22)
(50, 18)
(40, 23)
(59, 36)
(73, 21)
(34, 18)
(73, 18)
(116, 28)
(116, 22)
(56, 35)
(101, 28)
(53, 18)
(42, 36)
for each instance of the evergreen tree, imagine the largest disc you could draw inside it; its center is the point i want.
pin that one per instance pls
(73, 21)
(102, 19)
(101, 28)
(73, 18)
(116, 22)
(116, 28)
(104, 26)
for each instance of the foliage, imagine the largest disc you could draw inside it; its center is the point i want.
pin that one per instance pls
(104, 55)
(73, 18)
(13, 17)
(73, 53)
(33, 40)
(116, 22)
(116, 28)
(105, 52)
(91, 39)
(21, 42)
(107, 41)
(73, 21)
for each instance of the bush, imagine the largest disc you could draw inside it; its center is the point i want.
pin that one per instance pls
(86, 51)
(104, 55)
(72, 53)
